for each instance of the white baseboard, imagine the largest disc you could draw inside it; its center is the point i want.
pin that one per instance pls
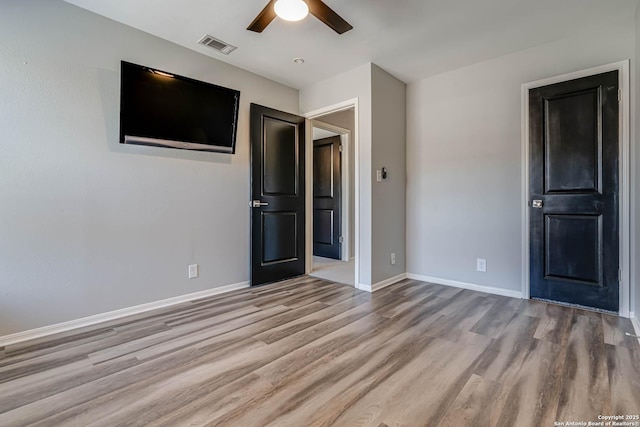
(114, 315)
(470, 286)
(366, 288)
(383, 284)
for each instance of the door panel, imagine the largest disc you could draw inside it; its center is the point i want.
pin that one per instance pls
(280, 148)
(279, 241)
(574, 248)
(323, 226)
(323, 170)
(327, 197)
(573, 144)
(277, 185)
(574, 177)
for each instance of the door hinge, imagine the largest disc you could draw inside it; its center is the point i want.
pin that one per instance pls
(341, 239)
(341, 148)
(619, 95)
(620, 276)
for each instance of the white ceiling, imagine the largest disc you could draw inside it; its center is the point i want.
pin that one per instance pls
(319, 133)
(411, 39)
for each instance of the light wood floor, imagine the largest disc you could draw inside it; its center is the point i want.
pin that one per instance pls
(313, 353)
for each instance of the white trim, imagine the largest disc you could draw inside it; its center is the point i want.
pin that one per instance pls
(116, 314)
(625, 210)
(366, 288)
(341, 106)
(526, 256)
(335, 108)
(345, 140)
(377, 286)
(471, 286)
(636, 324)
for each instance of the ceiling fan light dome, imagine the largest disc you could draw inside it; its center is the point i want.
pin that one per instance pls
(291, 10)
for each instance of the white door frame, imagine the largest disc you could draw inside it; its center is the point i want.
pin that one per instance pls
(345, 105)
(345, 141)
(625, 182)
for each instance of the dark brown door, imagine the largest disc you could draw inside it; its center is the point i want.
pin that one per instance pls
(327, 197)
(574, 192)
(277, 190)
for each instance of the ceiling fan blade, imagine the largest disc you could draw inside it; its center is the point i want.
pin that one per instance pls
(324, 13)
(265, 17)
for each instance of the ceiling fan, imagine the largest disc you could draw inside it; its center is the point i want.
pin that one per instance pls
(295, 10)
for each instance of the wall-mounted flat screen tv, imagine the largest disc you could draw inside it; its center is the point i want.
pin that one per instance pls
(162, 109)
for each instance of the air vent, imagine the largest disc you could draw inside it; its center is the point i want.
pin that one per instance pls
(216, 44)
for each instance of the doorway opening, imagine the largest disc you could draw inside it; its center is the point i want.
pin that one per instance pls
(332, 194)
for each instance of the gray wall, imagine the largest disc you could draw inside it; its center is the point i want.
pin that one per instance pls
(381, 127)
(346, 120)
(88, 225)
(355, 83)
(464, 163)
(388, 120)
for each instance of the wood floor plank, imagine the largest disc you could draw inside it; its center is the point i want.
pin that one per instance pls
(503, 358)
(457, 324)
(294, 366)
(420, 393)
(623, 365)
(347, 293)
(302, 376)
(295, 394)
(264, 356)
(58, 381)
(304, 322)
(308, 352)
(353, 379)
(555, 320)
(470, 406)
(175, 331)
(530, 393)
(224, 400)
(615, 329)
(497, 318)
(342, 339)
(585, 385)
(89, 402)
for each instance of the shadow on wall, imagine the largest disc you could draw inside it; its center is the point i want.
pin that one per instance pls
(109, 82)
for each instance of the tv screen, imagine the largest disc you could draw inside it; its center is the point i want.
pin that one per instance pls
(166, 110)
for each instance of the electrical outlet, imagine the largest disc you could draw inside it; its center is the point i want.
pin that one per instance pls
(193, 271)
(481, 265)
(393, 258)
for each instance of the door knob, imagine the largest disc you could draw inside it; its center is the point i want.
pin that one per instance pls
(258, 203)
(537, 204)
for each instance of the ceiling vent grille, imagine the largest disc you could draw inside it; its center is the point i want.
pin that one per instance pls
(217, 44)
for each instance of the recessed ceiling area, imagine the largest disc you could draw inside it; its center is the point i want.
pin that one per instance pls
(410, 39)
